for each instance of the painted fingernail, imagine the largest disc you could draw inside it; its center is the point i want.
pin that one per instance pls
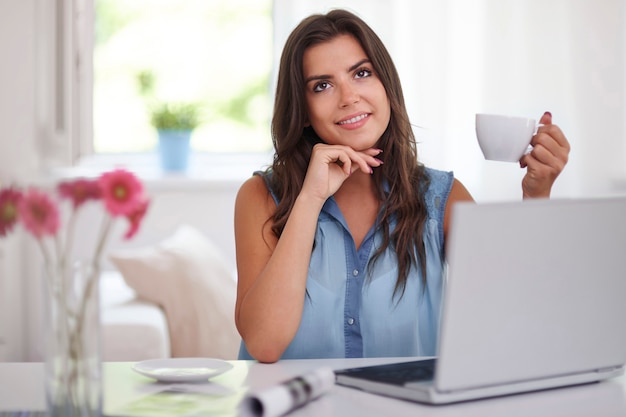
(548, 114)
(379, 161)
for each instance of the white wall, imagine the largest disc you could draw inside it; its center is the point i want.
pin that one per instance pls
(17, 107)
(18, 156)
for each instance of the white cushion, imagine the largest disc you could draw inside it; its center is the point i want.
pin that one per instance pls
(187, 276)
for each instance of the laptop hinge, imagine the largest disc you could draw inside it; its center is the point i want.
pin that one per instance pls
(608, 369)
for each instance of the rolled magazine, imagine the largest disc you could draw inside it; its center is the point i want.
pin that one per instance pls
(282, 398)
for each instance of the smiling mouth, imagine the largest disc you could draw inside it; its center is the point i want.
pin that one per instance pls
(354, 119)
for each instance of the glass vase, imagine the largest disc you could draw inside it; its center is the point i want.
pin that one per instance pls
(73, 371)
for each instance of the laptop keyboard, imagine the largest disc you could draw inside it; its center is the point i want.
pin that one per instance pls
(396, 373)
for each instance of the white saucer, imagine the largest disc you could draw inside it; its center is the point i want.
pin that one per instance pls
(182, 369)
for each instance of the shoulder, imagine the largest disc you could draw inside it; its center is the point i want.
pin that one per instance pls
(253, 193)
(458, 193)
(253, 185)
(443, 191)
(254, 206)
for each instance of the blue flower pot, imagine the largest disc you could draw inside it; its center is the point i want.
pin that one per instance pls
(174, 149)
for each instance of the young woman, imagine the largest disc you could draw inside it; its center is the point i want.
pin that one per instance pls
(340, 243)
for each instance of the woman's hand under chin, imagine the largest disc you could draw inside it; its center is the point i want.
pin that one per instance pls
(546, 160)
(331, 165)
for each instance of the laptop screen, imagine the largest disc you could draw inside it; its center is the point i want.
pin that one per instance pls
(535, 289)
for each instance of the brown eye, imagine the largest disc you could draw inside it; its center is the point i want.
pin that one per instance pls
(363, 73)
(321, 86)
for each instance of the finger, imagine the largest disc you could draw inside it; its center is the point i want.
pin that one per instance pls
(344, 161)
(523, 162)
(349, 159)
(353, 161)
(373, 161)
(371, 157)
(364, 160)
(372, 151)
(544, 156)
(544, 164)
(553, 139)
(546, 118)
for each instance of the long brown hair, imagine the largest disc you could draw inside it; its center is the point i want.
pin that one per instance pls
(293, 142)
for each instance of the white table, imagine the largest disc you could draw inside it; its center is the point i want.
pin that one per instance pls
(21, 388)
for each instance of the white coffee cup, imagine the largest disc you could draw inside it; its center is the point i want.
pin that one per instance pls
(504, 138)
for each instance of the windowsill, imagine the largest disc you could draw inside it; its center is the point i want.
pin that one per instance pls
(205, 169)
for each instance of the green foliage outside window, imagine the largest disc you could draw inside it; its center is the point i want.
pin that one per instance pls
(210, 63)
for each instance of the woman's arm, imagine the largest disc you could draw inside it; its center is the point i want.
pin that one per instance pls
(272, 272)
(458, 192)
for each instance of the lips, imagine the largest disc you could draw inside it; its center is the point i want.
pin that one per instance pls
(353, 119)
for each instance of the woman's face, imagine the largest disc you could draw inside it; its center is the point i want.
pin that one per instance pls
(347, 103)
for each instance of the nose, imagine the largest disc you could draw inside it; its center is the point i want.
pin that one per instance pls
(348, 94)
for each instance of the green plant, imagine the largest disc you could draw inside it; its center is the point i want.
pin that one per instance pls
(175, 116)
(167, 115)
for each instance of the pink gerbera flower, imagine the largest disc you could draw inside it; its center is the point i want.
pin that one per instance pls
(122, 192)
(136, 217)
(9, 201)
(79, 191)
(39, 213)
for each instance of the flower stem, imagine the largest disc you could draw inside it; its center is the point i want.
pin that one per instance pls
(93, 271)
(69, 239)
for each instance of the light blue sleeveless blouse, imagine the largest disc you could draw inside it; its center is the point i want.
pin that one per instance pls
(350, 310)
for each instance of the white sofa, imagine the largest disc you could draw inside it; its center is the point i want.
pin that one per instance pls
(132, 329)
(167, 273)
(187, 276)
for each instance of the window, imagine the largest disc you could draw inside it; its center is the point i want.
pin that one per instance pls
(214, 53)
(454, 58)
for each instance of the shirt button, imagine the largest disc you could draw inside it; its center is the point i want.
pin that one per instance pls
(350, 321)
(355, 272)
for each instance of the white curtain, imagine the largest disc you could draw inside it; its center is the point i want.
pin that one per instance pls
(517, 57)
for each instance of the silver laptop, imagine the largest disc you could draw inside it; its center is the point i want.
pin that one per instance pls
(535, 298)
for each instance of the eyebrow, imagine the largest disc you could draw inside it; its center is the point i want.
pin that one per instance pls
(325, 76)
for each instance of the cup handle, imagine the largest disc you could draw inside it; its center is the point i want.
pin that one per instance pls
(528, 150)
(530, 147)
